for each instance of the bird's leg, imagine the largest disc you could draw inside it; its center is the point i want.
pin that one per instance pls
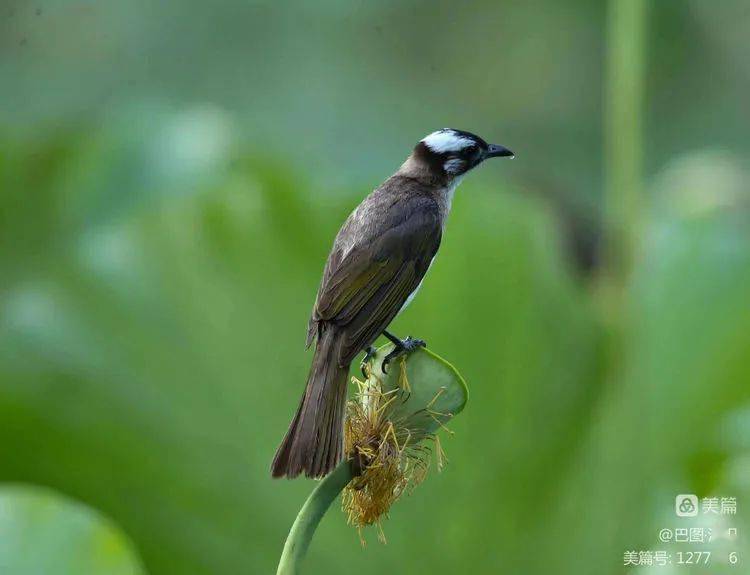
(402, 346)
(370, 352)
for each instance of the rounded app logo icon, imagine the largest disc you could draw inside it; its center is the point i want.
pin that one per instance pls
(686, 505)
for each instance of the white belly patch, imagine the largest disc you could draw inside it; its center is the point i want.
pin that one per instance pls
(413, 294)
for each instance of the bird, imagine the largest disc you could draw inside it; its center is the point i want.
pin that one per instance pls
(375, 268)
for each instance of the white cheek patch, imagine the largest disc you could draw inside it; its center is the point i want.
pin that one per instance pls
(454, 166)
(446, 141)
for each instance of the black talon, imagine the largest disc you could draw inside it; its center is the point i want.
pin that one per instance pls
(370, 352)
(401, 347)
(411, 343)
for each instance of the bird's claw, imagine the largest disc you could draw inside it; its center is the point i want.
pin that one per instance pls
(405, 346)
(370, 352)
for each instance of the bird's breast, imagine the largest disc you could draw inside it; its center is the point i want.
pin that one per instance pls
(413, 294)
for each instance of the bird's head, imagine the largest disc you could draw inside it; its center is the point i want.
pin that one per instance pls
(450, 153)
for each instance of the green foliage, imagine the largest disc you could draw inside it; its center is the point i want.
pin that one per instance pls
(158, 265)
(42, 532)
(150, 364)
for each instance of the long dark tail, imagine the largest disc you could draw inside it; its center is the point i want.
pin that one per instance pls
(314, 442)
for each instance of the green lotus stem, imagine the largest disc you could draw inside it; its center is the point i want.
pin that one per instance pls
(623, 142)
(309, 516)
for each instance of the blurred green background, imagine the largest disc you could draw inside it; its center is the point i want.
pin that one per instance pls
(172, 176)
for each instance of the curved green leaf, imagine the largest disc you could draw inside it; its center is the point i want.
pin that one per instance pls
(432, 394)
(43, 532)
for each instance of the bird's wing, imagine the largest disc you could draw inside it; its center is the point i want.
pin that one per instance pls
(363, 290)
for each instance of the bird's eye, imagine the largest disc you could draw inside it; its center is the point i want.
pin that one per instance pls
(472, 152)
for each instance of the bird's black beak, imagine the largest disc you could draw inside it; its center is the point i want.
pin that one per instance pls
(496, 151)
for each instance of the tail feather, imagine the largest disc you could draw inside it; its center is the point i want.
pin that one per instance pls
(314, 442)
